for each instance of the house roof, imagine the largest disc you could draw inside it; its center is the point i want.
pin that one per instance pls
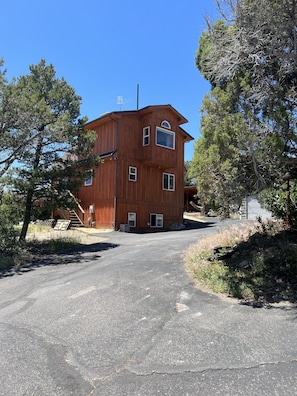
(144, 110)
(188, 137)
(107, 154)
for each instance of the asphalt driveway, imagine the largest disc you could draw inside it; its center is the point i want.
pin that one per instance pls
(122, 317)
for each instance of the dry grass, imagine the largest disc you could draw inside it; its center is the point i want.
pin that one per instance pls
(256, 262)
(40, 241)
(231, 236)
(209, 273)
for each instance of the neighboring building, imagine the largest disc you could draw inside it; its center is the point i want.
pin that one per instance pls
(251, 209)
(140, 182)
(190, 197)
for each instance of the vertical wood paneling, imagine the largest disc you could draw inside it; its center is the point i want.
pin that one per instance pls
(112, 192)
(100, 194)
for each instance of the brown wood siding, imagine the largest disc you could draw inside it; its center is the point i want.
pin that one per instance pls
(148, 187)
(106, 137)
(112, 194)
(129, 136)
(171, 214)
(146, 195)
(101, 194)
(154, 154)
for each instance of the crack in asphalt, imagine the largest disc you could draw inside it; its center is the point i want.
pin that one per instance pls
(210, 370)
(139, 354)
(60, 367)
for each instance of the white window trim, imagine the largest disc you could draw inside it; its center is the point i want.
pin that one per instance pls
(88, 181)
(170, 176)
(132, 173)
(168, 133)
(161, 217)
(166, 124)
(146, 134)
(133, 216)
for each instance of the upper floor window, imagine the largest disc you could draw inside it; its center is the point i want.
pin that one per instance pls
(166, 124)
(146, 136)
(132, 173)
(168, 181)
(165, 138)
(89, 179)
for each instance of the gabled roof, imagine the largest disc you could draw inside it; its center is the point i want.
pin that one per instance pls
(144, 110)
(187, 136)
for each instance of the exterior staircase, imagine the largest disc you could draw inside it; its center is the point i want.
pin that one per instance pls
(76, 217)
(75, 221)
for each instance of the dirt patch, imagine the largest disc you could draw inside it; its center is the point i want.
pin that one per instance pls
(84, 237)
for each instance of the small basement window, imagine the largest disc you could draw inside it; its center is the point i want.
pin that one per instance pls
(156, 220)
(132, 173)
(165, 138)
(132, 219)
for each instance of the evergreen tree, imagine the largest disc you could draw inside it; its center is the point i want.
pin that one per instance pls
(217, 160)
(46, 140)
(249, 119)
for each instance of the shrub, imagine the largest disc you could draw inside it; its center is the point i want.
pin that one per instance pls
(10, 247)
(256, 263)
(275, 200)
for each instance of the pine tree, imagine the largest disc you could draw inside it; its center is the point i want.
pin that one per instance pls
(46, 142)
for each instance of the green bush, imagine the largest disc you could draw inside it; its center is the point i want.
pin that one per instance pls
(275, 200)
(256, 264)
(12, 207)
(8, 236)
(10, 247)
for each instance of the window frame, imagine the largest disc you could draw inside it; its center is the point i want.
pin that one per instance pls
(165, 124)
(89, 181)
(146, 134)
(159, 220)
(166, 132)
(170, 181)
(132, 175)
(133, 220)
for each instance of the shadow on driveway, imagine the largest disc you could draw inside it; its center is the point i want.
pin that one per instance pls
(194, 225)
(74, 255)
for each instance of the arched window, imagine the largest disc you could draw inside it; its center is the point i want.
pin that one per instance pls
(166, 124)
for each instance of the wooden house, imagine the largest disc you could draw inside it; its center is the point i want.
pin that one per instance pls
(140, 183)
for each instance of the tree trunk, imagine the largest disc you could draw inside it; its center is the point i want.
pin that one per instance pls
(27, 215)
(30, 191)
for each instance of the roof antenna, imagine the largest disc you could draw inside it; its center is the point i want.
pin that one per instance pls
(137, 97)
(120, 101)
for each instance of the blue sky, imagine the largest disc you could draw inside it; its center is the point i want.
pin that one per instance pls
(105, 48)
